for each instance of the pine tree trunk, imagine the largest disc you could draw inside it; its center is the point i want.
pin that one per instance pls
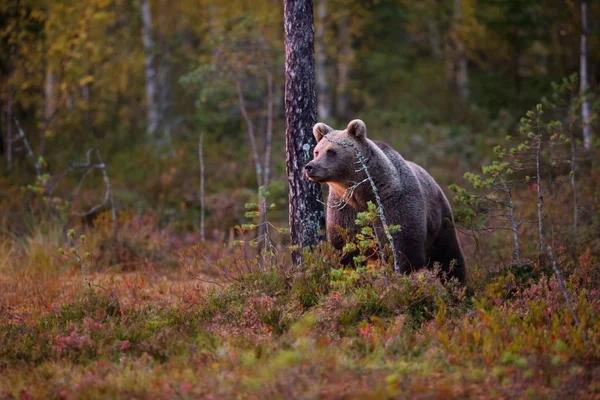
(323, 99)
(583, 79)
(306, 214)
(153, 115)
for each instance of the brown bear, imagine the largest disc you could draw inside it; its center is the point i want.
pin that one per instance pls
(409, 195)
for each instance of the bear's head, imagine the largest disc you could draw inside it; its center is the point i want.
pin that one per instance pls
(335, 154)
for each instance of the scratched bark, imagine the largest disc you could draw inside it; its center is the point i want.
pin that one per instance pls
(306, 215)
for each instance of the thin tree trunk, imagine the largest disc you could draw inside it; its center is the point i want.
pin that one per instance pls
(87, 114)
(449, 70)
(583, 79)
(201, 192)
(50, 107)
(323, 99)
(165, 100)
(343, 67)
(513, 222)
(434, 38)
(574, 183)
(153, 115)
(49, 96)
(269, 132)
(462, 77)
(9, 121)
(306, 213)
(540, 196)
(164, 77)
(251, 135)
(263, 228)
(213, 26)
(257, 166)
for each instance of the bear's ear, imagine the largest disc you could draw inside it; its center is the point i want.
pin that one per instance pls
(320, 130)
(358, 129)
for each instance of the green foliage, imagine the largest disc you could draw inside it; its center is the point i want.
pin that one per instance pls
(366, 243)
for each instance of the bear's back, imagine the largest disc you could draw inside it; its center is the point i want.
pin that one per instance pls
(419, 189)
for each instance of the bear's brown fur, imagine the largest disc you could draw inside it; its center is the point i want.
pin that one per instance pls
(410, 197)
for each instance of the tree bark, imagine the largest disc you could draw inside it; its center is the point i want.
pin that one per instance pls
(201, 192)
(153, 115)
(263, 230)
(343, 67)
(251, 135)
(540, 196)
(583, 79)
(49, 96)
(434, 38)
(166, 124)
(323, 99)
(8, 140)
(462, 77)
(306, 213)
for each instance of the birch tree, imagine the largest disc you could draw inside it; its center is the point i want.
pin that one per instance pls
(583, 79)
(153, 113)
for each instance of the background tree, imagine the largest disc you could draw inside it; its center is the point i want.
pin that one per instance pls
(583, 79)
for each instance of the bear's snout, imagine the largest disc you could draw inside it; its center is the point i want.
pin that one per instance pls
(311, 172)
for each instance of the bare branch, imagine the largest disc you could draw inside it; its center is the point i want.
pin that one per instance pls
(23, 138)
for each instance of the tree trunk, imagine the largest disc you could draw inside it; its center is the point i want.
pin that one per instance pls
(583, 79)
(8, 140)
(269, 132)
(540, 196)
(49, 96)
(306, 214)
(343, 67)
(434, 38)
(257, 165)
(263, 230)
(164, 75)
(201, 192)
(323, 99)
(153, 115)
(462, 77)
(251, 135)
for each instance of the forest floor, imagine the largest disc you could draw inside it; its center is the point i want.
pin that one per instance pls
(157, 328)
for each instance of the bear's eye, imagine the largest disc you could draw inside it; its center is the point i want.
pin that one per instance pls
(331, 152)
